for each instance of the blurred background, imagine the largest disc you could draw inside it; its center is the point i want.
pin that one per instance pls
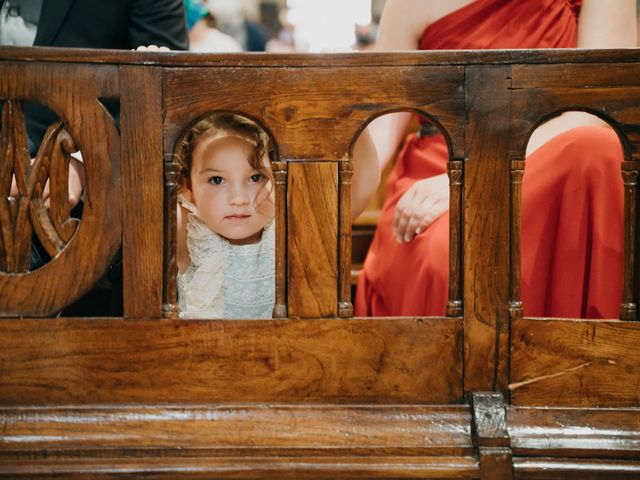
(282, 25)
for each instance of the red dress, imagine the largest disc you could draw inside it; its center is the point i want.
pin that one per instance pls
(572, 212)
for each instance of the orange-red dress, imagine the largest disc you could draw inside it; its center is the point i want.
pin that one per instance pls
(572, 212)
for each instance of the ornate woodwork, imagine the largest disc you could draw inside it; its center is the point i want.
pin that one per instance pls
(484, 392)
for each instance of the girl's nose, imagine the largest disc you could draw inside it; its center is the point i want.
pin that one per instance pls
(239, 195)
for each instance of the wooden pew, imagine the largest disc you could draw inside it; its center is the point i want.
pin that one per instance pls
(312, 393)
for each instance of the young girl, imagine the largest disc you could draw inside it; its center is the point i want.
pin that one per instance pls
(226, 242)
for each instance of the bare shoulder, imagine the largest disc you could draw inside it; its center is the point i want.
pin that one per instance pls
(404, 21)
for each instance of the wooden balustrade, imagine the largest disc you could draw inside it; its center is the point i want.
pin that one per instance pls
(483, 392)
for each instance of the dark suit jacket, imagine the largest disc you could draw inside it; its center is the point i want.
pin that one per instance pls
(108, 24)
(112, 24)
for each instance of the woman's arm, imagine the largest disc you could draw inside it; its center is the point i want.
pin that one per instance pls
(602, 24)
(607, 24)
(366, 174)
(401, 26)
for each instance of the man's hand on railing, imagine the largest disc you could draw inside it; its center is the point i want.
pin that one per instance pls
(152, 48)
(420, 206)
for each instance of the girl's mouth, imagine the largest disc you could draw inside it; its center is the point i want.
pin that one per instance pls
(239, 216)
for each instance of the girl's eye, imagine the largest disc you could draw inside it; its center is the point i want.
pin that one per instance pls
(216, 180)
(256, 177)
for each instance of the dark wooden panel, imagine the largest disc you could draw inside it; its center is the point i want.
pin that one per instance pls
(67, 361)
(575, 363)
(314, 127)
(313, 240)
(73, 93)
(486, 236)
(491, 436)
(142, 179)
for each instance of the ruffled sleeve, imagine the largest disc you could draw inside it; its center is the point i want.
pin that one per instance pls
(201, 288)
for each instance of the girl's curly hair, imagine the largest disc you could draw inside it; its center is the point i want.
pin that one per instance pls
(221, 125)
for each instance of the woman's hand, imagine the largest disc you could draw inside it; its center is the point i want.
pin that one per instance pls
(420, 206)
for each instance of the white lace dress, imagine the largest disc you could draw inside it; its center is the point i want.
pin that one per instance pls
(225, 280)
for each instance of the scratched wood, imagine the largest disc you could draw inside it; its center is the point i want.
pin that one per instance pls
(575, 363)
(115, 361)
(552, 443)
(322, 129)
(486, 238)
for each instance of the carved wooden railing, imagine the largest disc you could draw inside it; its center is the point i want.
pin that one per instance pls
(312, 393)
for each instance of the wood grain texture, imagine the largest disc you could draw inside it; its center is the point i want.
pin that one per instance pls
(142, 179)
(72, 93)
(315, 127)
(116, 361)
(553, 443)
(238, 441)
(300, 60)
(312, 206)
(575, 363)
(486, 235)
(316, 430)
(604, 433)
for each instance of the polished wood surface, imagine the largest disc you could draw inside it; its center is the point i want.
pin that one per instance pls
(312, 393)
(116, 361)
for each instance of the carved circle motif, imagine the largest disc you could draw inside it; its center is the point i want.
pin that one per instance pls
(84, 253)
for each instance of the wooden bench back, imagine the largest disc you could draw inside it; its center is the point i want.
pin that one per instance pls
(313, 352)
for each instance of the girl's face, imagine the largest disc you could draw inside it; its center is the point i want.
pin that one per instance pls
(233, 198)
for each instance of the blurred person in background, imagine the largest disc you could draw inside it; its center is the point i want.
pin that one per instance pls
(203, 34)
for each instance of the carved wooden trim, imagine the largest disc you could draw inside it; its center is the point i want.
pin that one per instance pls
(455, 170)
(491, 437)
(26, 213)
(82, 251)
(345, 307)
(280, 173)
(516, 309)
(171, 179)
(629, 307)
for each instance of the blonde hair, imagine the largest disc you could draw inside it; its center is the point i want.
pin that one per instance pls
(224, 125)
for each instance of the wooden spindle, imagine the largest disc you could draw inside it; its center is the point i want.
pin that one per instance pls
(345, 307)
(629, 306)
(171, 183)
(516, 309)
(280, 176)
(455, 170)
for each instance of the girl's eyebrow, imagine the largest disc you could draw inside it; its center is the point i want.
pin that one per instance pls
(209, 170)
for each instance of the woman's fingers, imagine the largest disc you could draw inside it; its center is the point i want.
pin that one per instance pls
(418, 208)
